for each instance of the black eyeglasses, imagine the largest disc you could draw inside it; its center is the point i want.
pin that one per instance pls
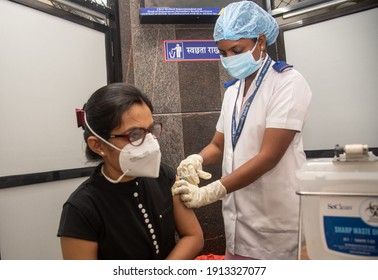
(137, 135)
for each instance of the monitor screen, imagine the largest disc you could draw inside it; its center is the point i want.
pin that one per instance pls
(181, 11)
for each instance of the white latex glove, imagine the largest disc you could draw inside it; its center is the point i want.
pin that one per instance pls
(195, 197)
(190, 169)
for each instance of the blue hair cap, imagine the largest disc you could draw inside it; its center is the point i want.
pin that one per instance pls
(245, 20)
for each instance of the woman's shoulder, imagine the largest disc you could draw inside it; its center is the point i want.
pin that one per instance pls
(231, 90)
(82, 193)
(232, 85)
(167, 171)
(283, 70)
(160, 186)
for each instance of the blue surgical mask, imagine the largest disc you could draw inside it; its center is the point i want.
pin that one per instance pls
(242, 65)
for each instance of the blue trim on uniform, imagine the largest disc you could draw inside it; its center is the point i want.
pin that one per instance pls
(281, 66)
(230, 83)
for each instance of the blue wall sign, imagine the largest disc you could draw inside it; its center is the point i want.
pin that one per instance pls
(179, 11)
(190, 50)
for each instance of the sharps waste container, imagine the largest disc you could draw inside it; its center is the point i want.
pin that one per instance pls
(339, 205)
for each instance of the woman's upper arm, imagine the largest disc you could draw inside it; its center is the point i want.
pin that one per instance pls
(275, 143)
(185, 219)
(191, 237)
(78, 249)
(213, 152)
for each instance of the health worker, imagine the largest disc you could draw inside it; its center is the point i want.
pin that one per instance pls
(258, 138)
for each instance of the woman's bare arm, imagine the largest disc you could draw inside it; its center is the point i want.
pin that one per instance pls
(191, 236)
(78, 249)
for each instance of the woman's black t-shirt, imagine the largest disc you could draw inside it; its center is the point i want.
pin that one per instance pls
(132, 220)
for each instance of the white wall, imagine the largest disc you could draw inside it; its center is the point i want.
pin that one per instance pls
(48, 67)
(29, 220)
(339, 59)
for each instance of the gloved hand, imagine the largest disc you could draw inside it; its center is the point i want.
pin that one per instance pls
(190, 169)
(195, 197)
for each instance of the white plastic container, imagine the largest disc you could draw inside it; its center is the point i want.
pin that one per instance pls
(339, 204)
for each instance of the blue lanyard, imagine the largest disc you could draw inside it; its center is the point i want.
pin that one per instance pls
(236, 131)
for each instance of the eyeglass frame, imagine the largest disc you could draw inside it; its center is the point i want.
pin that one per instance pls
(148, 130)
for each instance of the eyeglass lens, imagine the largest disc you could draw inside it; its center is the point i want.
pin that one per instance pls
(137, 135)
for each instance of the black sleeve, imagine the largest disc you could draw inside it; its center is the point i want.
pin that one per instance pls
(74, 223)
(169, 173)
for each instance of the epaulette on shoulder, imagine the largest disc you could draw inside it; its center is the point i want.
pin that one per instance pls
(230, 83)
(281, 66)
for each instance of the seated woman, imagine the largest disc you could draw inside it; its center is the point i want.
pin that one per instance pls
(125, 210)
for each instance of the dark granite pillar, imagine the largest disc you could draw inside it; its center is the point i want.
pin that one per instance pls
(187, 98)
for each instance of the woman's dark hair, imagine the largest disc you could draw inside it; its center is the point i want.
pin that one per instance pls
(105, 108)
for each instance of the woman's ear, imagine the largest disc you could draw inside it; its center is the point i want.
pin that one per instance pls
(95, 145)
(262, 42)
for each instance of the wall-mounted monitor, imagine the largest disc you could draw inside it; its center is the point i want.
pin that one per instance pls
(181, 11)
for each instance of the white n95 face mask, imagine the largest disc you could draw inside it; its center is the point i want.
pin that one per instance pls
(136, 161)
(143, 160)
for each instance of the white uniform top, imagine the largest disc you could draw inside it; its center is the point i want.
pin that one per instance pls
(261, 220)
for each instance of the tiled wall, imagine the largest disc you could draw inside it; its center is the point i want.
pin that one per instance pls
(186, 96)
